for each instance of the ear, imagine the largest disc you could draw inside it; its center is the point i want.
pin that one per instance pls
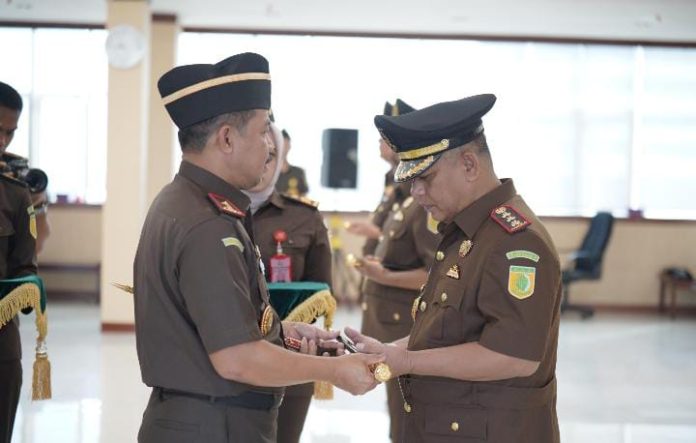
(471, 164)
(225, 138)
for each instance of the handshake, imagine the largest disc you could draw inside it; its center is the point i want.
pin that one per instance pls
(361, 362)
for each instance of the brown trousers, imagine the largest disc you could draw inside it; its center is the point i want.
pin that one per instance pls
(178, 419)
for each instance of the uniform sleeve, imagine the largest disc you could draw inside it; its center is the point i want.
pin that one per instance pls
(425, 240)
(318, 260)
(214, 279)
(517, 296)
(22, 259)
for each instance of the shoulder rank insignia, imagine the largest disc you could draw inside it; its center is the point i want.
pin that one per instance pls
(302, 199)
(521, 281)
(226, 206)
(511, 220)
(453, 272)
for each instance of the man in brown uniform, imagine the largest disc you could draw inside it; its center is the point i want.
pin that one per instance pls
(372, 229)
(208, 342)
(305, 241)
(17, 259)
(479, 364)
(396, 269)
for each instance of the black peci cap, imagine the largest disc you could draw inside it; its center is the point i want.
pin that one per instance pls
(194, 93)
(420, 137)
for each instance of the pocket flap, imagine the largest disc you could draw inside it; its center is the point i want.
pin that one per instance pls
(456, 421)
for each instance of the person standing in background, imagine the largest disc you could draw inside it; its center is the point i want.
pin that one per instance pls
(292, 180)
(17, 259)
(296, 228)
(396, 269)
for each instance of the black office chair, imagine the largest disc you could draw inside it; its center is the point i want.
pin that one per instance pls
(587, 261)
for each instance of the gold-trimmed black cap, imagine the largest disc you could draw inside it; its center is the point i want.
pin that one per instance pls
(420, 137)
(400, 107)
(194, 93)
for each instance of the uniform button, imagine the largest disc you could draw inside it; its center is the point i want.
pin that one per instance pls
(455, 426)
(407, 407)
(423, 306)
(395, 207)
(440, 256)
(364, 306)
(443, 297)
(396, 316)
(391, 233)
(381, 238)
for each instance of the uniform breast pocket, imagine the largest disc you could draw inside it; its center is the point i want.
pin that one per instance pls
(453, 423)
(6, 231)
(447, 305)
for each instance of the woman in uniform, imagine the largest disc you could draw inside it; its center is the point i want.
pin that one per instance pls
(295, 226)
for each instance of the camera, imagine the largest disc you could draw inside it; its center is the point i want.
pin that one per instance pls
(18, 168)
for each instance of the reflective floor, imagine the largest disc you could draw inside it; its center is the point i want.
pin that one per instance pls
(622, 379)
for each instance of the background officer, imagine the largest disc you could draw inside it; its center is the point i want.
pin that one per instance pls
(396, 268)
(298, 228)
(208, 341)
(292, 179)
(480, 360)
(17, 259)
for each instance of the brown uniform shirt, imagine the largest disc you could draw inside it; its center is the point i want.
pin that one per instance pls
(408, 241)
(308, 241)
(381, 212)
(496, 281)
(17, 252)
(307, 246)
(198, 285)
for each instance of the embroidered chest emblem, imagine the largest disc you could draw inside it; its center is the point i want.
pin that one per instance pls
(453, 272)
(465, 247)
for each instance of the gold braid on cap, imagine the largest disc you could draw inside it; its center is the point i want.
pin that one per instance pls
(427, 150)
(232, 78)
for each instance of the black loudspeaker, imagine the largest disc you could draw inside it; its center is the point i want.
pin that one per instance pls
(339, 168)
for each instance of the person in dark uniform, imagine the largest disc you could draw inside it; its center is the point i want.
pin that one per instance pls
(208, 342)
(299, 226)
(17, 259)
(292, 180)
(479, 363)
(396, 268)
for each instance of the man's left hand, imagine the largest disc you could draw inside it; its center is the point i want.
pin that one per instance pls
(312, 335)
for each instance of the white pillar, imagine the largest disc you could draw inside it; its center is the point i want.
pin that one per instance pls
(161, 146)
(126, 183)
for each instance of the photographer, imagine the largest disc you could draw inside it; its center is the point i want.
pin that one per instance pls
(17, 259)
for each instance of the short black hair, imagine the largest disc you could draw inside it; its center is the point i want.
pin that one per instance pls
(193, 138)
(10, 98)
(286, 136)
(482, 144)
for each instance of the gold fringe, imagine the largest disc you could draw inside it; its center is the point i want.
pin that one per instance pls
(123, 287)
(24, 296)
(319, 304)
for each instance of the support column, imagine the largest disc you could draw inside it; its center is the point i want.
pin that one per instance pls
(126, 184)
(162, 137)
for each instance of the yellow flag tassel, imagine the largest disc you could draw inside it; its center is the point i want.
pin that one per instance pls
(320, 304)
(28, 295)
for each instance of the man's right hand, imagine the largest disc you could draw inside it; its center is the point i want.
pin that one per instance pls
(363, 228)
(353, 374)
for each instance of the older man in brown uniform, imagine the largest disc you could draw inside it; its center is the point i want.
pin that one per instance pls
(479, 364)
(396, 268)
(208, 341)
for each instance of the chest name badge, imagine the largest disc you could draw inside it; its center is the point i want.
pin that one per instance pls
(521, 281)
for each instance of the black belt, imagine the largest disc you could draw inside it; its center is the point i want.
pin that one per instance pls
(249, 399)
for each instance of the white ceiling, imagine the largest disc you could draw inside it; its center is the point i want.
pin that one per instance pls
(636, 20)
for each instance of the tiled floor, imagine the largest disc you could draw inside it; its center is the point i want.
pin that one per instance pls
(622, 379)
